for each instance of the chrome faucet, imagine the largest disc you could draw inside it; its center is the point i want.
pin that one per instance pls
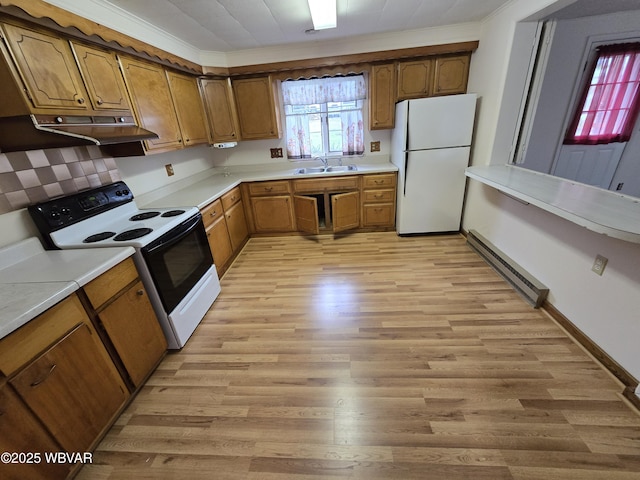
(324, 160)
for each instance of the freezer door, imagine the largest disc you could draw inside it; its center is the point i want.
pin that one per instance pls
(441, 122)
(432, 196)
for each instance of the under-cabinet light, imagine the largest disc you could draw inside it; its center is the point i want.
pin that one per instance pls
(323, 14)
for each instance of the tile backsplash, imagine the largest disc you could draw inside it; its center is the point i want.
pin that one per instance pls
(39, 175)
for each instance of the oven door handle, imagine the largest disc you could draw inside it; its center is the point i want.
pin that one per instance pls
(174, 235)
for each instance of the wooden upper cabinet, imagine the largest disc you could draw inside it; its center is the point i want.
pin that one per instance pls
(221, 110)
(258, 114)
(152, 103)
(414, 79)
(189, 108)
(382, 96)
(451, 74)
(102, 78)
(48, 70)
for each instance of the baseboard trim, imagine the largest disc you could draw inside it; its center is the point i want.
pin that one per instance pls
(628, 380)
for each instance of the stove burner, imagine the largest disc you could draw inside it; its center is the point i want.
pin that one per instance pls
(144, 216)
(132, 234)
(98, 237)
(173, 213)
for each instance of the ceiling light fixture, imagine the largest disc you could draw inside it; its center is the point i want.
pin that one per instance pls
(323, 14)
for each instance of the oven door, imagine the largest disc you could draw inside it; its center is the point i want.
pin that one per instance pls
(177, 260)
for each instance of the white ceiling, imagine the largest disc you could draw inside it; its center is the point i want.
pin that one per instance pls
(231, 25)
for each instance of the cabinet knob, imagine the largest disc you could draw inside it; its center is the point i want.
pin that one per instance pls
(99, 101)
(81, 100)
(140, 292)
(46, 375)
(268, 189)
(213, 214)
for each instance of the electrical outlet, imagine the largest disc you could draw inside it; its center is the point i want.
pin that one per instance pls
(276, 153)
(599, 264)
(169, 168)
(375, 146)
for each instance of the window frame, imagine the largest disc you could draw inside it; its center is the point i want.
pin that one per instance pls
(582, 108)
(324, 112)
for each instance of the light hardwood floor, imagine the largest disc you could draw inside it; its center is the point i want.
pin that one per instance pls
(371, 356)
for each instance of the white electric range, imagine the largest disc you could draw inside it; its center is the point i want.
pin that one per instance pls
(171, 249)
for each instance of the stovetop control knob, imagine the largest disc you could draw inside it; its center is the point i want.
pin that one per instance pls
(55, 214)
(65, 211)
(59, 120)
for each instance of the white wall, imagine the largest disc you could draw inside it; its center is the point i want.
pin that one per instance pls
(557, 252)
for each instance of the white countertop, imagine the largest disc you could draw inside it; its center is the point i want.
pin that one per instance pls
(599, 210)
(33, 279)
(200, 190)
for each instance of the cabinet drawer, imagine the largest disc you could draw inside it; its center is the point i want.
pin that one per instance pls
(110, 283)
(269, 188)
(377, 181)
(212, 212)
(378, 215)
(326, 184)
(230, 198)
(20, 347)
(378, 196)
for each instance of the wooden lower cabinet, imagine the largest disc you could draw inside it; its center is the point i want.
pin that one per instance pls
(72, 390)
(135, 332)
(273, 214)
(219, 243)
(379, 201)
(121, 308)
(226, 225)
(236, 225)
(22, 432)
(323, 205)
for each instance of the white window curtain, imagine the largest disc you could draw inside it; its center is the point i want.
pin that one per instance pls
(320, 91)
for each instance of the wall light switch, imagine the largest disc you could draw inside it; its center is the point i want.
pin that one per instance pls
(276, 153)
(375, 146)
(169, 168)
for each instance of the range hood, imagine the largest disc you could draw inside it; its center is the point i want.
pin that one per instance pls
(32, 132)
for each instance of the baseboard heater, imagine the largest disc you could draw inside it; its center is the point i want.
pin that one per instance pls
(530, 288)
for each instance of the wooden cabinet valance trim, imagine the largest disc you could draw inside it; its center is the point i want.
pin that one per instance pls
(75, 26)
(347, 60)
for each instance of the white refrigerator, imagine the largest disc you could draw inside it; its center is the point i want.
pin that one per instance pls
(430, 146)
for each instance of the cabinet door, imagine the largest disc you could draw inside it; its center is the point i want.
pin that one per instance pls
(382, 102)
(306, 209)
(219, 243)
(134, 330)
(414, 79)
(21, 432)
(48, 69)
(152, 104)
(189, 108)
(451, 75)
(102, 78)
(272, 214)
(221, 110)
(237, 225)
(73, 390)
(256, 105)
(345, 209)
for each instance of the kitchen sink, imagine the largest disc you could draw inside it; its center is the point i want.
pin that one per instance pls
(330, 169)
